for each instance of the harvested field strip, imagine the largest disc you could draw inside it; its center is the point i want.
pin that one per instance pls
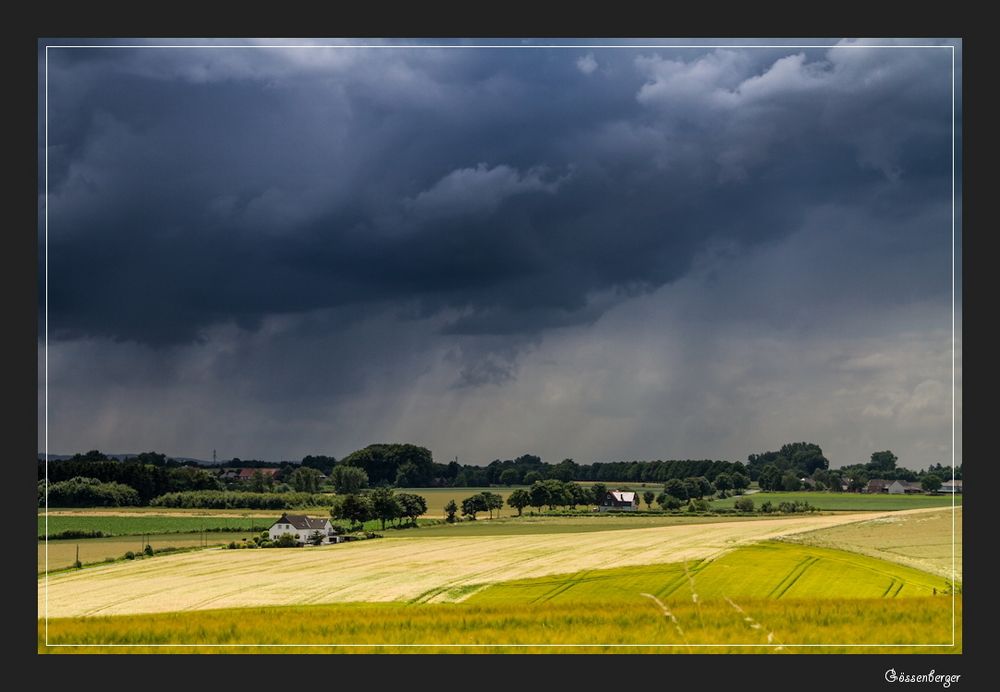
(92, 550)
(922, 540)
(389, 569)
(399, 628)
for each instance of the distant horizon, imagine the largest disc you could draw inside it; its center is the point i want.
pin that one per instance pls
(227, 459)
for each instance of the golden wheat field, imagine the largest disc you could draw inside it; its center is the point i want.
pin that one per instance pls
(778, 627)
(389, 569)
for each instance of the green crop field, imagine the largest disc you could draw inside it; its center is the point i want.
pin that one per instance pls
(765, 570)
(745, 626)
(63, 553)
(137, 524)
(845, 501)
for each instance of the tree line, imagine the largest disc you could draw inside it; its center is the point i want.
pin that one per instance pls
(151, 474)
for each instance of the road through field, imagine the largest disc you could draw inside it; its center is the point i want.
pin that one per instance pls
(417, 569)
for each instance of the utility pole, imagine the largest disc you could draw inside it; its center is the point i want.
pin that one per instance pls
(213, 457)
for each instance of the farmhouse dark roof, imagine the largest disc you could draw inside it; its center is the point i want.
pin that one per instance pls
(301, 521)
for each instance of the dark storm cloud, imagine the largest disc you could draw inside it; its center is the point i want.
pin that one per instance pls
(595, 253)
(512, 190)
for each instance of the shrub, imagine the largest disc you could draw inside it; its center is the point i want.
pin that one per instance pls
(78, 564)
(286, 540)
(767, 507)
(130, 555)
(73, 533)
(697, 505)
(744, 504)
(148, 549)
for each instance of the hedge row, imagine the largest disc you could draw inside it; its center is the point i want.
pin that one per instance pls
(215, 499)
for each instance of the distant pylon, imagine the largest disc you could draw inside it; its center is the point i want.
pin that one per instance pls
(213, 456)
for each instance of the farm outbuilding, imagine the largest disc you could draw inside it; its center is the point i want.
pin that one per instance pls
(904, 488)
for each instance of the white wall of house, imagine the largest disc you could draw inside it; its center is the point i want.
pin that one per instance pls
(302, 535)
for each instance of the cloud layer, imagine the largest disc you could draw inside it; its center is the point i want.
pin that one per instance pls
(602, 253)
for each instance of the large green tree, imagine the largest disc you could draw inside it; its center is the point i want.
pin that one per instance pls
(519, 499)
(384, 505)
(510, 477)
(382, 462)
(882, 461)
(305, 480)
(930, 483)
(539, 494)
(348, 479)
(472, 505)
(675, 487)
(354, 508)
(412, 506)
(770, 478)
(600, 491)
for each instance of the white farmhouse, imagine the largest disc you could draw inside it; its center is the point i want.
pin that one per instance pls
(302, 527)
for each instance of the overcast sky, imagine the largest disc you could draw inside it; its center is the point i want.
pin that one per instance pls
(586, 252)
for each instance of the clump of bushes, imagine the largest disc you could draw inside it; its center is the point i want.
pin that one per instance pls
(129, 555)
(744, 504)
(797, 506)
(87, 492)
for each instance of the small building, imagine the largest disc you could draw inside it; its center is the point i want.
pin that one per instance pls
(303, 528)
(236, 474)
(624, 500)
(904, 488)
(951, 487)
(248, 474)
(878, 485)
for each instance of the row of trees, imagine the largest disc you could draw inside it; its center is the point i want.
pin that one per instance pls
(382, 503)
